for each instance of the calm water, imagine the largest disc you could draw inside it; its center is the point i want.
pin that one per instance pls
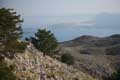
(65, 34)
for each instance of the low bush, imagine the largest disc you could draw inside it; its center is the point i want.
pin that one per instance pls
(67, 58)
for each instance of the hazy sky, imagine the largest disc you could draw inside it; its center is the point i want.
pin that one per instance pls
(62, 7)
(42, 12)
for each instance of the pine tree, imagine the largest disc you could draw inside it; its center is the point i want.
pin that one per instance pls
(10, 32)
(45, 41)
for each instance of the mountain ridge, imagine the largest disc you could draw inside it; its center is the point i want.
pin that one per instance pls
(98, 56)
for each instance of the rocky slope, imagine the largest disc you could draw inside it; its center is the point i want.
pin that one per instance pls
(94, 55)
(33, 65)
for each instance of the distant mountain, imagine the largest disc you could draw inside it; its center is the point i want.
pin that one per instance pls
(103, 20)
(93, 41)
(98, 56)
(107, 20)
(83, 40)
(60, 26)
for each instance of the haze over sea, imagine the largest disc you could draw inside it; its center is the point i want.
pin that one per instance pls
(69, 27)
(68, 34)
(68, 19)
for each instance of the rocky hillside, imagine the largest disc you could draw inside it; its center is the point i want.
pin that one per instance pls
(33, 65)
(98, 56)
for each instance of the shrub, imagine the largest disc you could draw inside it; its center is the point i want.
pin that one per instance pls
(6, 72)
(115, 50)
(114, 76)
(67, 58)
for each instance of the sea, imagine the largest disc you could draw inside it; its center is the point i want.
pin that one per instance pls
(69, 33)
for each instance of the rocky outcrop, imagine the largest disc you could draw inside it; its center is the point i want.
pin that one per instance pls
(33, 65)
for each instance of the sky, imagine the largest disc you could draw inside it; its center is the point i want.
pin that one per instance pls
(48, 12)
(44, 13)
(61, 7)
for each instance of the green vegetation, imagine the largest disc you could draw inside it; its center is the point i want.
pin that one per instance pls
(45, 41)
(6, 72)
(67, 58)
(10, 32)
(114, 76)
(114, 50)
